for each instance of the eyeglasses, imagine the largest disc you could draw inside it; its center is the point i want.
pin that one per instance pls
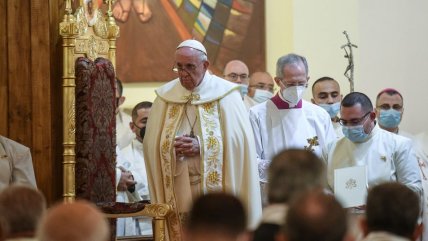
(187, 67)
(262, 86)
(235, 76)
(387, 107)
(287, 85)
(353, 122)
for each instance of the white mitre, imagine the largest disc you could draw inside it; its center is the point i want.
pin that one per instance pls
(194, 44)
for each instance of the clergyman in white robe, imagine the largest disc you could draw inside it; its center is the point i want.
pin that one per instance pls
(131, 158)
(227, 160)
(277, 126)
(387, 156)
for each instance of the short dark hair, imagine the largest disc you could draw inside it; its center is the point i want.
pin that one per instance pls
(354, 98)
(394, 208)
(322, 79)
(293, 171)
(119, 86)
(22, 208)
(217, 212)
(315, 216)
(141, 105)
(390, 92)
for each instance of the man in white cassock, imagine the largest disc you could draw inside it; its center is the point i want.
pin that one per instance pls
(131, 158)
(16, 165)
(124, 135)
(326, 94)
(260, 89)
(287, 121)
(387, 157)
(199, 140)
(389, 113)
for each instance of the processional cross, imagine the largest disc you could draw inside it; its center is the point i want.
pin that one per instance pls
(349, 72)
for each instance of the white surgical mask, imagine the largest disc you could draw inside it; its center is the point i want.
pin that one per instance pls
(293, 94)
(262, 95)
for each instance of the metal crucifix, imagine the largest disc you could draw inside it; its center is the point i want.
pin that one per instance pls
(349, 72)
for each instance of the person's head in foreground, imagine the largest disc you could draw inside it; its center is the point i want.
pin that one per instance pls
(392, 208)
(217, 217)
(314, 216)
(21, 208)
(77, 221)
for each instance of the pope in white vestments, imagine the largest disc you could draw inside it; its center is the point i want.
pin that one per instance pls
(199, 140)
(16, 165)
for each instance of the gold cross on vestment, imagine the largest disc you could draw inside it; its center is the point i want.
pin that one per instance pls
(192, 97)
(312, 142)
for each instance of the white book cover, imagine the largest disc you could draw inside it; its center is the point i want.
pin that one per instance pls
(350, 186)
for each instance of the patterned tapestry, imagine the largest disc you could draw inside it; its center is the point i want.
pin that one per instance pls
(95, 130)
(150, 30)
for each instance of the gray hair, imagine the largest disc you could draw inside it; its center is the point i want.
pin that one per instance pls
(287, 60)
(294, 171)
(202, 56)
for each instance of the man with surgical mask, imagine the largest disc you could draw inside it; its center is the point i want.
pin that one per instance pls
(286, 120)
(386, 156)
(260, 89)
(326, 94)
(389, 112)
(237, 72)
(131, 159)
(389, 109)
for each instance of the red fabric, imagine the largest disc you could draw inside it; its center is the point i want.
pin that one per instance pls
(280, 104)
(95, 130)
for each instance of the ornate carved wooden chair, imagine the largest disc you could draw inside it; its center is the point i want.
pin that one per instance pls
(89, 47)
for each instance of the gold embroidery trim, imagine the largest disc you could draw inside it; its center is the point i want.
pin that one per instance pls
(213, 147)
(166, 153)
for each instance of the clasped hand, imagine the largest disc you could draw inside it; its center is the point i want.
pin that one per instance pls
(126, 180)
(186, 146)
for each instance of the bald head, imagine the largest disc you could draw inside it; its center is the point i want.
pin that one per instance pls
(78, 221)
(236, 71)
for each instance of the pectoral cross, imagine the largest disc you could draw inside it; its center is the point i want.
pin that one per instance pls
(312, 142)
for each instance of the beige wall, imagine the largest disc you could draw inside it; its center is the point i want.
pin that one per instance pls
(391, 35)
(393, 53)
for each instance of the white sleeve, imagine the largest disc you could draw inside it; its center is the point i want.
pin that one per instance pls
(263, 164)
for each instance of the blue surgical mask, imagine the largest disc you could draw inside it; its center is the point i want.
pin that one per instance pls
(262, 95)
(389, 118)
(332, 109)
(355, 133)
(243, 89)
